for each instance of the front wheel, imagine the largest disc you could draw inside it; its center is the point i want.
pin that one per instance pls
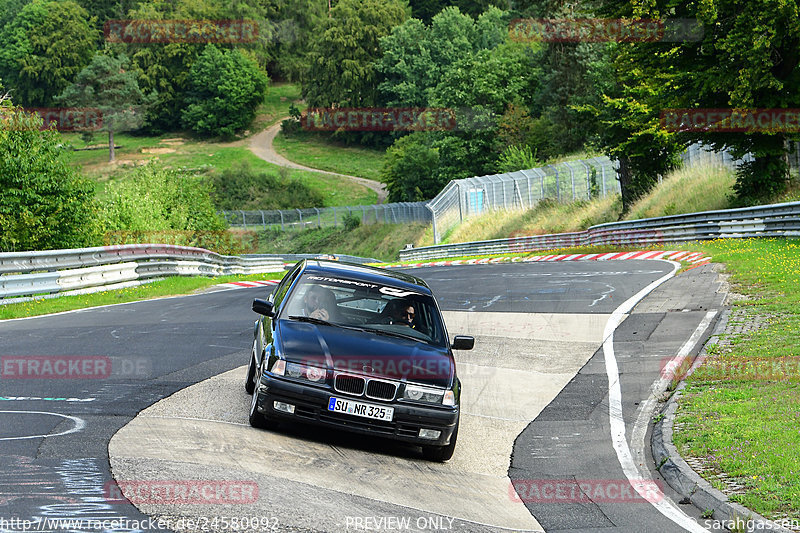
(441, 454)
(250, 382)
(256, 419)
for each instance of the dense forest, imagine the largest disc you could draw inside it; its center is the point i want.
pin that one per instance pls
(519, 97)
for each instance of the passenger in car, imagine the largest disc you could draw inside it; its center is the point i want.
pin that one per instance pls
(319, 302)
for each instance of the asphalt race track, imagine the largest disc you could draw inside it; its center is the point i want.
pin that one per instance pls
(552, 437)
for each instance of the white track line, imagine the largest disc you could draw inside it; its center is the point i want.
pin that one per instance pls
(647, 407)
(79, 425)
(618, 439)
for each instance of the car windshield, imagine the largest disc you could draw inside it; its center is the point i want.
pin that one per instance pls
(381, 309)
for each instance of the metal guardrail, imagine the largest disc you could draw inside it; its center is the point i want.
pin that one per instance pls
(776, 220)
(56, 271)
(293, 258)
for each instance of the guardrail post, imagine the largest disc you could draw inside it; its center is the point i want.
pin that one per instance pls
(300, 213)
(572, 178)
(263, 220)
(436, 236)
(558, 185)
(460, 201)
(280, 211)
(319, 220)
(244, 221)
(588, 179)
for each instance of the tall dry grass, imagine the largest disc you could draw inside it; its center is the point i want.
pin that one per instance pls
(686, 190)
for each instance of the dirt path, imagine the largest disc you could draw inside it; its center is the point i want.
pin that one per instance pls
(261, 145)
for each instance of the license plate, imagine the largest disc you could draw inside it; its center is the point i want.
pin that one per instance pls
(365, 410)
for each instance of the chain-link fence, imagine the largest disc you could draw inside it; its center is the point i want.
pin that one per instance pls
(568, 181)
(287, 219)
(701, 154)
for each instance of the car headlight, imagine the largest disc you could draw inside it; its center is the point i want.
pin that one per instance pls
(424, 394)
(313, 374)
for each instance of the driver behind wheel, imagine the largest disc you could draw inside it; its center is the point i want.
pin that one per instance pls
(404, 315)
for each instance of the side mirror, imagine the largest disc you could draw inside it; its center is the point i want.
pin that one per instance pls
(263, 307)
(463, 342)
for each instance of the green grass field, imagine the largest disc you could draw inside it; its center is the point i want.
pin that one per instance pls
(276, 105)
(200, 156)
(317, 151)
(744, 424)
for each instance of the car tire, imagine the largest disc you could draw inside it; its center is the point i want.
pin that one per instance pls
(250, 381)
(256, 419)
(441, 454)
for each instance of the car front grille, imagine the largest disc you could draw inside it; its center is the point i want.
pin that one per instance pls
(377, 389)
(349, 384)
(381, 390)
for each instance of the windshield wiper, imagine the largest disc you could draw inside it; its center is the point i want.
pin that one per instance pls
(392, 334)
(312, 320)
(320, 322)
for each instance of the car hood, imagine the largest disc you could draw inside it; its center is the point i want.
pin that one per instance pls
(364, 352)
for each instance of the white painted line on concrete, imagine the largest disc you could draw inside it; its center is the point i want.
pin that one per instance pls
(648, 406)
(618, 439)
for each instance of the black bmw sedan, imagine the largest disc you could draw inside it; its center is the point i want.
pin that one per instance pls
(356, 348)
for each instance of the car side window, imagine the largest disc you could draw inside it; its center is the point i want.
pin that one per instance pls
(281, 290)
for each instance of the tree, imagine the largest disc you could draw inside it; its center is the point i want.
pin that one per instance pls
(417, 56)
(427, 9)
(225, 90)
(107, 85)
(44, 47)
(464, 65)
(342, 59)
(627, 126)
(44, 204)
(490, 80)
(747, 57)
(9, 11)
(287, 28)
(105, 10)
(164, 67)
(480, 88)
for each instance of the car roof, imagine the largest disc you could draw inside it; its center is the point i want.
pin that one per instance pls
(367, 273)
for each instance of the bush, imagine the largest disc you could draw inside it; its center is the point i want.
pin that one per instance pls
(410, 169)
(516, 158)
(243, 187)
(44, 203)
(155, 199)
(292, 124)
(351, 221)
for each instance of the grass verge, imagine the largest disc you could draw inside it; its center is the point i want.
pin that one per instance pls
(318, 151)
(739, 412)
(172, 286)
(276, 105)
(379, 241)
